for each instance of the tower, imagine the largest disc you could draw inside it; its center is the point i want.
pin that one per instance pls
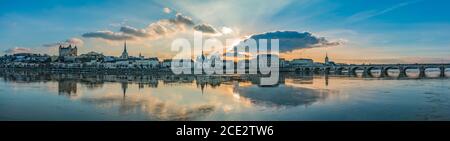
(140, 56)
(327, 60)
(124, 53)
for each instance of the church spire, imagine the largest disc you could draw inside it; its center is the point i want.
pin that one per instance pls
(124, 53)
(327, 60)
(125, 46)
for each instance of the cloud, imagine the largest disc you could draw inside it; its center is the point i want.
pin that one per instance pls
(154, 30)
(18, 50)
(71, 41)
(133, 31)
(180, 19)
(108, 35)
(160, 28)
(293, 40)
(226, 30)
(205, 28)
(167, 10)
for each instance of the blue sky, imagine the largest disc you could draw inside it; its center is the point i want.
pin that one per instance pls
(373, 31)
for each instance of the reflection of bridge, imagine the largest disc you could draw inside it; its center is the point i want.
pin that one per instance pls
(366, 69)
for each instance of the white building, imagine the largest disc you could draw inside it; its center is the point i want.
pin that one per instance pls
(301, 62)
(149, 63)
(166, 63)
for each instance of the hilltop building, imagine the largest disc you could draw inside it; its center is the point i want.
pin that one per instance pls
(67, 51)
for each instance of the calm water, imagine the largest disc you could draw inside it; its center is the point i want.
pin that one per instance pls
(51, 96)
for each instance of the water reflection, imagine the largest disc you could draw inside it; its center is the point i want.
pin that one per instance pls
(282, 95)
(191, 97)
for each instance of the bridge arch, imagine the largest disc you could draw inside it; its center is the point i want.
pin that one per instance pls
(307, 69)
(433, 71)
(369, 71)
(408, 70)
(327, 70)
(386, 70)
(352, 71)
(316, 70)
(339, 70)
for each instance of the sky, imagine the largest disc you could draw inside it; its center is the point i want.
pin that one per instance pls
(382, 31)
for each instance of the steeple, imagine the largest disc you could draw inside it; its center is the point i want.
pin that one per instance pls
(125, 52)
(140, 56)
(203, 56)
(327, 60)
(125, 46)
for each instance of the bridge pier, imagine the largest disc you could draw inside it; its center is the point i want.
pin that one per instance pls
(383, 72)
(442, 71)
(402, 72)
(352, 71)
(338, 71)
(366, 72)
(422, 72)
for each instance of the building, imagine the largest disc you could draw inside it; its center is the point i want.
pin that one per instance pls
(91, 56)
(283, 63)
(67, 51)
(166, 63)
(301, 62)
(125, 52)
(328, 62)
(149, 63)
(200, 60)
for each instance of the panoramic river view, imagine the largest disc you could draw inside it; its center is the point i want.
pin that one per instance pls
(31, 95)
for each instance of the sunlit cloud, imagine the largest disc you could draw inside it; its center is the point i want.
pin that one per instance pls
(167, 10)
(16, 50)
(71, 41)
(226, 30)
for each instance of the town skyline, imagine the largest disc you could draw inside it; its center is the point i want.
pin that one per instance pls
(372, 35)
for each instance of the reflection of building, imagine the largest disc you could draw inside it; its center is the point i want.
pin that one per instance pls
(290, 95)
(124, 88)
(67, 87)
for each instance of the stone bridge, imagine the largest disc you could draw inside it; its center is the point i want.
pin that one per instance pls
(366, 69)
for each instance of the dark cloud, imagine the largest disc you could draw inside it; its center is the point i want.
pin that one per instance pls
(134, 31)
(182, 20)
(71, 41)
(108, 35)
(293, 40)
(205, 28)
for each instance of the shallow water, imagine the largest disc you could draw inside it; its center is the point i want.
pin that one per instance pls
(46, 96)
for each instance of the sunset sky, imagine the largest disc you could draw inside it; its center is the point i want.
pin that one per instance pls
(382, 31)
